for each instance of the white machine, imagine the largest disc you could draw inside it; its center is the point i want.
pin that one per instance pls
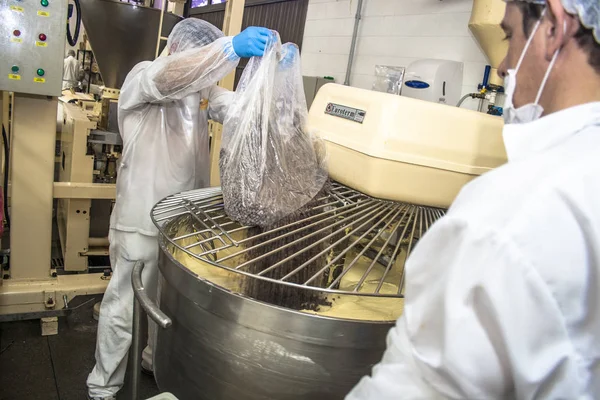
(32, 48)
(438, 81)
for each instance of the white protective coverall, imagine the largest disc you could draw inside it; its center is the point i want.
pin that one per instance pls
(71, 72)
(164, 107)
(502, 294)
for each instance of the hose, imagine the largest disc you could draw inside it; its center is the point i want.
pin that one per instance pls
(472, 95)
(5, 184)
(73, 39)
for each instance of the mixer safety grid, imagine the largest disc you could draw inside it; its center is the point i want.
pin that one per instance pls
(352, 234)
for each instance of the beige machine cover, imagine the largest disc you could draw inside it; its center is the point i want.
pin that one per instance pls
(486, 17)
(405, 149)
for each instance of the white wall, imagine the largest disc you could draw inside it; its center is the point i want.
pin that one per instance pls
(392, 32)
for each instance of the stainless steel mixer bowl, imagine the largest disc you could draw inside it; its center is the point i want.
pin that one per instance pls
(223, 345)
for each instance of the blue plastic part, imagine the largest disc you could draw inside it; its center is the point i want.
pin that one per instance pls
(417, 84)
(486, 76)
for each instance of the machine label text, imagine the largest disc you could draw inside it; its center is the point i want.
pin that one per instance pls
(352, 114)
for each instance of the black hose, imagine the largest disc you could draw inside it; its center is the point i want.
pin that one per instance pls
(5, 184)
(73, 39)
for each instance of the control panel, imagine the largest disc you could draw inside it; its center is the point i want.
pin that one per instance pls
(32, 45)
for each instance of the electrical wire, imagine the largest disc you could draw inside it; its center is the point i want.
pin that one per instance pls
(73, 39)
(5, 184)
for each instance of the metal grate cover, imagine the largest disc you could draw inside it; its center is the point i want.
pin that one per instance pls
(347, 225)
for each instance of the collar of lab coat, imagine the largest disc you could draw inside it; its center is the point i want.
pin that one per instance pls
(522, 140)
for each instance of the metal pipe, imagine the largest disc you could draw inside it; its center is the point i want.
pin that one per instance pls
(141, 303)
(357, 18)
(145, 302)
(135, 353)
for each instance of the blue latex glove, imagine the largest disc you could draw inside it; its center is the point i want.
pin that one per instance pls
(251, 42)
(289, 54)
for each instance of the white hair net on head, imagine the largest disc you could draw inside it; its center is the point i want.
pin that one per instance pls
(587, 10)
(192, 33)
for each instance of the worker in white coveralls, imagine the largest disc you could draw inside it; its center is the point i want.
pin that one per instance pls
(72, 71)
(164, 107)
(503, 293)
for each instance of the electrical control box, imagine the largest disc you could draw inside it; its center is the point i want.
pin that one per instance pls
(32, 46)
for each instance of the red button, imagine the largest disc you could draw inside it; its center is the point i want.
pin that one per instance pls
(42, 37)
(17, 32)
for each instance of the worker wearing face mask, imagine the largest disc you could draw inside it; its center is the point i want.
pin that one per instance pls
(72, 71)
(164, 107)
(502, 293)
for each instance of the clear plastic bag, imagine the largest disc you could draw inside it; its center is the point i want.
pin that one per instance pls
(388, 79)
(270, 165)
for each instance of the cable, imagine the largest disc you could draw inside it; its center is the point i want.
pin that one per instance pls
(5, 184)
(73, 39)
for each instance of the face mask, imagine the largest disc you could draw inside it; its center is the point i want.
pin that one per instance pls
(532, 111)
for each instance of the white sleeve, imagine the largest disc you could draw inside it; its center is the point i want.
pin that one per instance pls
(219, 100)
(479, 322)
(176, 76)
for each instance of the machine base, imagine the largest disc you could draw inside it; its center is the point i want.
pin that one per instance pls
(27, 299)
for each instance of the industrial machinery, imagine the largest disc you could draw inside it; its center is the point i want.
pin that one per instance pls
(32, 45)
(391, 147)
(224, 344)
(344, 258)
(438, 81)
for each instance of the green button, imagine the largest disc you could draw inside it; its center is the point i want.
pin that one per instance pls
(15, 69)
(44, 3)
(40, 72)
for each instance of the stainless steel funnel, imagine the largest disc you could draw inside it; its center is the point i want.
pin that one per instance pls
(122, 35)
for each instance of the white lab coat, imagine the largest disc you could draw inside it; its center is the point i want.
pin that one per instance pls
(164, 107)
(164, 127)
(71, 72)
(502, 293)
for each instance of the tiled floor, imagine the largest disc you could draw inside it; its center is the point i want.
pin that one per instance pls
(33, 367)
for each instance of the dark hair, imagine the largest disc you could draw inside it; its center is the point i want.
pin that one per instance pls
(585, 37)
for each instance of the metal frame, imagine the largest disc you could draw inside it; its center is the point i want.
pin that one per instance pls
(34, 287)
(232, 25)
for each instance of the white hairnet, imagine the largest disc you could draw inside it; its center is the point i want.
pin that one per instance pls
(588, 11)
(192, 33)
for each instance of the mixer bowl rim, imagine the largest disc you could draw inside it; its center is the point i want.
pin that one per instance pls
(217, 190)
(185, 270)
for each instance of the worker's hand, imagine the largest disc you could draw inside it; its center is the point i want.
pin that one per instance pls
(289, 55)
(252, 41)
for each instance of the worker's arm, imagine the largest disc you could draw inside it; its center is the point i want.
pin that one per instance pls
(479, 323)
(219, 100)
(178, 75)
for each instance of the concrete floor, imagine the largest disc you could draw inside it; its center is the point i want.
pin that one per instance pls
(35, 367)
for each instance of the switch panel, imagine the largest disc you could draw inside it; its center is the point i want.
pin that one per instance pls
(32, 45)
